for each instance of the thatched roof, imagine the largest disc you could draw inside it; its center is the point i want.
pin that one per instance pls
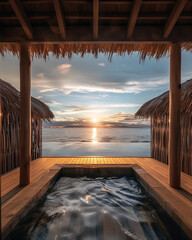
(159, 106)
(10, 103)
(156, 50)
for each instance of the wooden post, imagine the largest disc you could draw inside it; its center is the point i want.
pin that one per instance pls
(174, 148)
(0, 153)
(25, 114)
(1, 115)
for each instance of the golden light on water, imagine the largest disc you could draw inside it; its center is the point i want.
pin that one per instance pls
(94, 135)
(104, 190)
(64, 212)
(87, 198)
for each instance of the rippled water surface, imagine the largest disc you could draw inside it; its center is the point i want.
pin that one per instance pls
(109, 209)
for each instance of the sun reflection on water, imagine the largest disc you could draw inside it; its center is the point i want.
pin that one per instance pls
(87, 198)
(104, 190)
(94, 135)
(63, 212)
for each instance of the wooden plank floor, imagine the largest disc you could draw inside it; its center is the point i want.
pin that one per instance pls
(158, 170)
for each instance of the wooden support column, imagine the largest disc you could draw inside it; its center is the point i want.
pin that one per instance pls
(1, 115)
(25, 114)
(0, 153)
(174, 148)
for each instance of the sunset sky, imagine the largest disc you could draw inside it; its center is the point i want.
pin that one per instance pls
(94, 91)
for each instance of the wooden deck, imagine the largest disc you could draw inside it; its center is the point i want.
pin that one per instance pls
(158, 170)
(153, 174)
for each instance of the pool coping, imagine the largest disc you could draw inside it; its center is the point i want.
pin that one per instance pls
(18, 206)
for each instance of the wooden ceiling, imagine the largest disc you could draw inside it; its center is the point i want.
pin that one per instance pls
(57, 21)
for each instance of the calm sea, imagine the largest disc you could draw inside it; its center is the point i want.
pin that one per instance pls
(96, 142)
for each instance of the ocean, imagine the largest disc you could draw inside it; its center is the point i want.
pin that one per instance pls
(96, 142)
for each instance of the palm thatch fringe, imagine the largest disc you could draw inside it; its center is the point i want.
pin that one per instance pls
(156, 50)
(68, 49)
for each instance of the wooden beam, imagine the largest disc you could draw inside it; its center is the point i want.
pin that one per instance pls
(84, 34)
(133, 17)
(60, 17)
(95, 18)
(125, 2)
(25, 114)
(174, 147)
(22, 17)
(178, 8)
(148, 16)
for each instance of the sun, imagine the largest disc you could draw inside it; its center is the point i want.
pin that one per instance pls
(94, 120)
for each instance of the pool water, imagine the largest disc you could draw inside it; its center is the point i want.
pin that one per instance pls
(101, 208)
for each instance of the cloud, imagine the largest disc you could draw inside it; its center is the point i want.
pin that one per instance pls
(107, 89)
(154, 83)
(119, 86)
(125, 119)
(121, 105)
(120, 119)
(104, 95)
(48, 90)
(64, 68)
(40, 75)
(101, 64)
(186, 76)
(85, 77)
(41, 83)
(94, 108)
(55, 104)
(78, 111)
(117, 120)
(38, 97)
(91, 89)
(66, 91)
(67, 122)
